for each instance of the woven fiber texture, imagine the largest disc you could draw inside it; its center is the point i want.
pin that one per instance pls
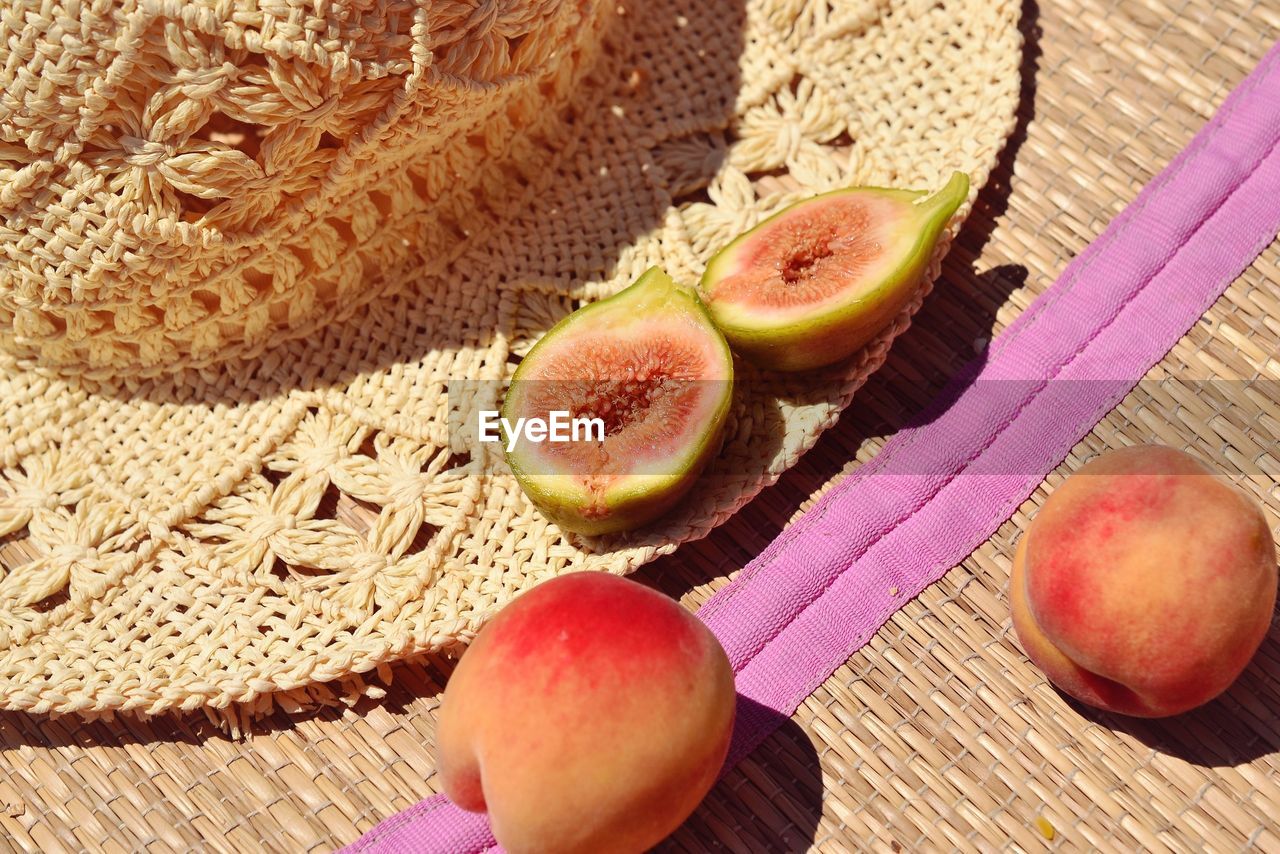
(229, 531)
(185, 181)
(938, 736)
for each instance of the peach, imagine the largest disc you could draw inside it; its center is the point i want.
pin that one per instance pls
(1145, 583)
(592, 714)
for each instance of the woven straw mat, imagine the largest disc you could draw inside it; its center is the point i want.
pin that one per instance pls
(409, 193)
(938, 735)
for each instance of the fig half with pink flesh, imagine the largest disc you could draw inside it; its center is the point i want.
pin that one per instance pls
(654, 370)
(813, 284)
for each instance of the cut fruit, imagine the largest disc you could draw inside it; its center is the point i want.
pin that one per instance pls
(655, 374)
(811, 285)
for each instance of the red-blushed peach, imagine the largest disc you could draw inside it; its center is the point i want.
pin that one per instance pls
(591, 715)
(1145, 583)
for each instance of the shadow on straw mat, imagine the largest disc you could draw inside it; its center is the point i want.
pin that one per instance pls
(771, 801)
(18, 729)
(604, 200)
(1241, 725)
(948, 337)
(417, 681)
(909, 390)
(945, 341)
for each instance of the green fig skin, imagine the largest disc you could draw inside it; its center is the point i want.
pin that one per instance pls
(657, 300)
(835, 333)
(622, 512)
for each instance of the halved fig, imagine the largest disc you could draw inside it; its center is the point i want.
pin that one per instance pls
(811, 285)
(650, 365)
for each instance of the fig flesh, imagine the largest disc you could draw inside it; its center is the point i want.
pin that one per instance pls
(650, 379)
(814, 283)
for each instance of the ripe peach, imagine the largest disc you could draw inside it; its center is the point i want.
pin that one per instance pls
(592, 715)
(1145, 583)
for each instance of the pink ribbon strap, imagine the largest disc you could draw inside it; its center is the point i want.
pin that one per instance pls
(937, 491)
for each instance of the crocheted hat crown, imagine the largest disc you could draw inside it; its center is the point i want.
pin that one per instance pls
(184, 181)
(406, 197)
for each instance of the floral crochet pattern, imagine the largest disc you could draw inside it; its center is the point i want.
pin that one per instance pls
(250, 246)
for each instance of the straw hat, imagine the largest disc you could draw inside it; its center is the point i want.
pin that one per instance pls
(248, 246)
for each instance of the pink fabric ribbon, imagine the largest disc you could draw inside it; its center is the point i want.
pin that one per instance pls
(938, 490)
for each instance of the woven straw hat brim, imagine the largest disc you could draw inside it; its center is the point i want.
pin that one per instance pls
(242, 530)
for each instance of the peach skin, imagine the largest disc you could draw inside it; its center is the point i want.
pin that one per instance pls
(1145, 583)
(591, 715)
